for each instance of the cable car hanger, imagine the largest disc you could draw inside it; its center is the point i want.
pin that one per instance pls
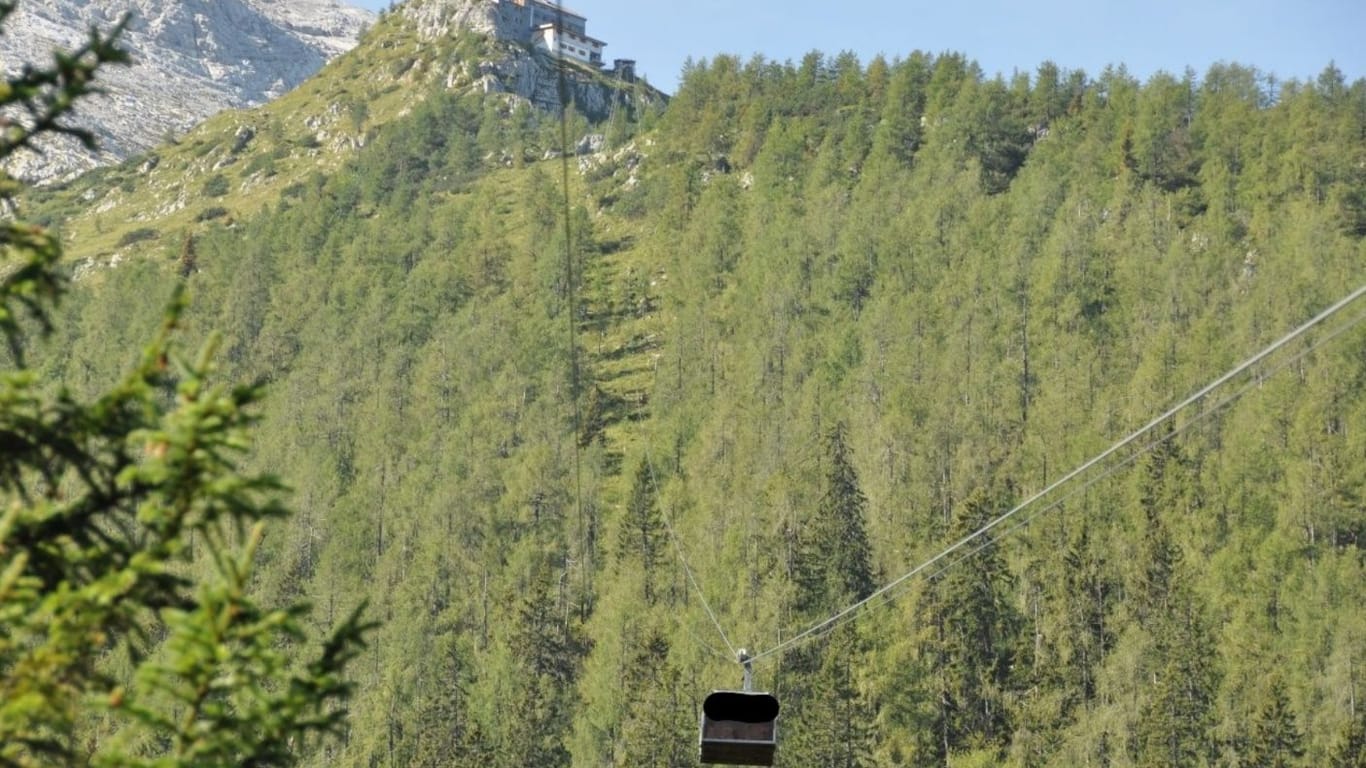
(739, 727)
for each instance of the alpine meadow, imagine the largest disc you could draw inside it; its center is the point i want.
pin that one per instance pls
(999, 419)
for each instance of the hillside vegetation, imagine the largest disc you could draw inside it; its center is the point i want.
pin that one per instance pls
(829, 317)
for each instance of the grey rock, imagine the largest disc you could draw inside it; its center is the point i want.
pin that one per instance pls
(242, 138)
(191, 59)
(590, 144)
(533, 75)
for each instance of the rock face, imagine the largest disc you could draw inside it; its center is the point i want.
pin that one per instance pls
(438, 18)
(191, 58)
(517, 69)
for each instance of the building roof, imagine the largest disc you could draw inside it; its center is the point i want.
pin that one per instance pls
(559, 9)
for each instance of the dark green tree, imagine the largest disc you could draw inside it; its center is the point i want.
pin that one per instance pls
(832, 568)
(656, 729)
(1350, 750)
(1176, 718)
(641, 539)
(547, 658)
(832, 724)
(969, 640)
(899, 133)
(1162, 147)
(1090, 591)
(1275, 740)
(835, 563)
(444, 732)
(1163, 487)
(996, 134)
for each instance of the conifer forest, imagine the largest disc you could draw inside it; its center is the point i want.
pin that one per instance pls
(557, 431)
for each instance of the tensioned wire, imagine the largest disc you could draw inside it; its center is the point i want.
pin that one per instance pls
(687, 568)
(571, 299)
(683, 558)
(883, 593)
(574, 360)
(1138, 453)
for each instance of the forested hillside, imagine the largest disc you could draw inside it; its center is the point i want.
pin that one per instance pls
(829, 317)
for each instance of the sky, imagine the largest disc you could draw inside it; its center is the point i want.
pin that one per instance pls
(1292, 39)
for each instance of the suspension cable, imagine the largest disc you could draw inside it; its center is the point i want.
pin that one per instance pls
(575, 384)
(848, 612)
(570, 305)
(683, 557)
(1028, 518)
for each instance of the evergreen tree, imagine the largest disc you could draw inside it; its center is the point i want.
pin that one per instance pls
(1275, 740)
(641, 539)
(444, 732)
(996, 135)
(835, 561)
(1089, 592)
(832, 568)
(968, 643)
(1162, 151)
(900, 132)
(655, 730)
(1175, 720)
(1350, 750)
(831, 724)
(546, 653)
(1162, 484)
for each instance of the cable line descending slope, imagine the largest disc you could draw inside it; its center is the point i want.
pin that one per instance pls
(883, 592)
(745, 732)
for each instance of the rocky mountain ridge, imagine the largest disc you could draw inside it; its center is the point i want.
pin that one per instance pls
(231, 164)
(516, 69)
(190, 59)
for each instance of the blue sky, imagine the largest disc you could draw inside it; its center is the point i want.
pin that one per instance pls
(1290, 38)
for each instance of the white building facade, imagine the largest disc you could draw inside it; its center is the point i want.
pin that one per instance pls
(569, 44)
(558, 30)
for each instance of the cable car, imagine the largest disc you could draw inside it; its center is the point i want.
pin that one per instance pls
(739, 727)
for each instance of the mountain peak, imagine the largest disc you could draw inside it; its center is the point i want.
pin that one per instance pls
(439, 18)
(527, 36)
(190, 59)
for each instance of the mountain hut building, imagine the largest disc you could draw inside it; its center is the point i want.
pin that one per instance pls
(568, 38)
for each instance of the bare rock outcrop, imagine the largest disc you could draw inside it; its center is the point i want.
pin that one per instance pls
(191, 59)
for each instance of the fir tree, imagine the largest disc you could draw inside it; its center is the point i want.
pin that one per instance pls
(832, 723)
(641, 538)
(969, 635)
(655, 729)
(1350, 750)
(1276, 742)
(547, 655)
(445, 734)
(835, 562)
(1175, 720)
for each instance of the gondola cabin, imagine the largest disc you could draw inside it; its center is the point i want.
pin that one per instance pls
(739, 728)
